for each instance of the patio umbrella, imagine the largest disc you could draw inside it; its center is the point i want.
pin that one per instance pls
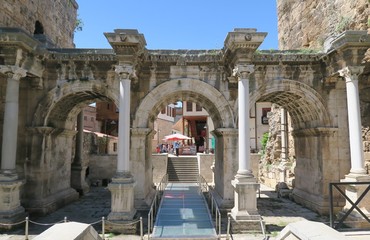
(176, 137)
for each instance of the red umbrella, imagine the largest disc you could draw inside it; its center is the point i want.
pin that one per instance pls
(176, 137)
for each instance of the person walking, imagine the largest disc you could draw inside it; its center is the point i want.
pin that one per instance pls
(176, 146)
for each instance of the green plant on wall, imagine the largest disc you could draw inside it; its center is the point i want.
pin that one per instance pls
(343, 24)
(264, 140)
(79, 24)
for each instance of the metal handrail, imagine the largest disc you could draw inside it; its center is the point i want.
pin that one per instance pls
(27, 221)
(155, 204)
(212, 203)
(354, 204)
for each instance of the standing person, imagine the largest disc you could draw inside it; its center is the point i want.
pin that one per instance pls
(176, 145)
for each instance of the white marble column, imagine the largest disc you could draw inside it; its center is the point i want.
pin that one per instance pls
(244, 129)
(357, 172)
(10, 127)
(10, 206)
(123, 162)
(245, 184)
(123, 184)
(354, 119)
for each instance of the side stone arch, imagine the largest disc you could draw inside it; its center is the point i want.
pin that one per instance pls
(65, 101)
(51, 139)
(305, 105)
(317, 140)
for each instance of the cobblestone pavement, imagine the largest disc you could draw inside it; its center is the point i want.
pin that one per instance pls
(276, 212)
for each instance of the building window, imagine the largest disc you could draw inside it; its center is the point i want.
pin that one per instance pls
(85, 118)
(264, 118)
(108, 106)
(189, 106)
(198, 108)
(92, 119)
(173, 112)
(39, 29)
(114, 147)
(163, 111)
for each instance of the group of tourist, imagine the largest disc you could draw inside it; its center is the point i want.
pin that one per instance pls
(169, 148)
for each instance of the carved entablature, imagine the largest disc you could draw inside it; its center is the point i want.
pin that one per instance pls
(181, 57)
(286, 57)
(90, 55)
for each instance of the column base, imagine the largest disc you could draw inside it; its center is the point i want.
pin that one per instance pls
(355, 219)
(45, 205)
(245, 200)
(78, 179)
(122, 227)
(253, 225)
(11, 210)
(122, 190)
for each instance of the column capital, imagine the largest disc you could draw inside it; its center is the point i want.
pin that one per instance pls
(242, 71)
(13, 72)
(351, 72)
(124, 71)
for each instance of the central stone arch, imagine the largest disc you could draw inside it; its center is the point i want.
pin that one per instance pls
(222, 116)
(312, 126)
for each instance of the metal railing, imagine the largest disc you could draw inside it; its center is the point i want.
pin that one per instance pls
(155, 204)
(354, 205)
(212, 204)
(27, 222)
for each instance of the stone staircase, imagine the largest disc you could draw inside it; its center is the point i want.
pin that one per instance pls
(182, 169)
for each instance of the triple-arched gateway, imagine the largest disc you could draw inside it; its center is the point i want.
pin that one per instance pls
(43, 90)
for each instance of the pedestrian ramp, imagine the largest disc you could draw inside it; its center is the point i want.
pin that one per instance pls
(183, 214)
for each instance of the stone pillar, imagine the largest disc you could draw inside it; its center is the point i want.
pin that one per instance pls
(78, 170)
(284, 144)
(226, 164)
(245, 185)
(142, 167)
(122, 185)
(357, 172)
(10, 207)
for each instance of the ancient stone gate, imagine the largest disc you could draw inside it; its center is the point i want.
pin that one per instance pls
(43, 90)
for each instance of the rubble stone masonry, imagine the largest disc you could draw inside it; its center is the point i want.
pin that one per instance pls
(307, 24)
(57, 18)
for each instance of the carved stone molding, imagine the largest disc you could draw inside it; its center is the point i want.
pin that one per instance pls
(124, 71)
(13, 72)
(242, 71)
(351, 72)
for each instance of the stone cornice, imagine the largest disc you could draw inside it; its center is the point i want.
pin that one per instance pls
(126, 42)
(350, 39)
(15, 37)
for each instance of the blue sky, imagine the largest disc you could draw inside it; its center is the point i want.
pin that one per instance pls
(176, 24)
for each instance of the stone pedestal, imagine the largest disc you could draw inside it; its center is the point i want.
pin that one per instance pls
(355, 219)
(245, 214)
(11, 210)
(78, 179)
(122, 209)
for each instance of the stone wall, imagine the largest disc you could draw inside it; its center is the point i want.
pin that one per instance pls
(271, 169)
(306, 24)
(57, 19)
